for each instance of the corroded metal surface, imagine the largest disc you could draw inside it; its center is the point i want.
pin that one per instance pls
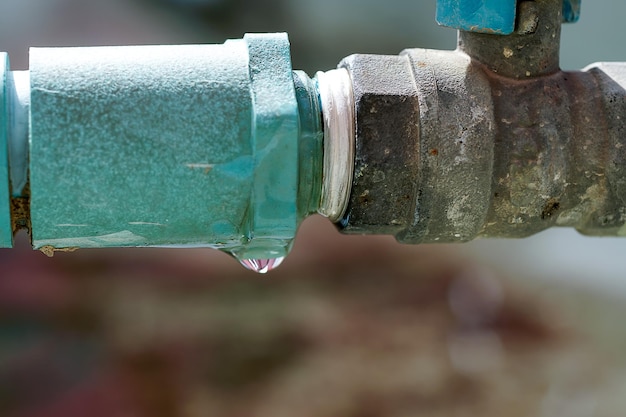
(456, 147)
(552, 155)
(532, 50)
(387, 119)
(490, 140)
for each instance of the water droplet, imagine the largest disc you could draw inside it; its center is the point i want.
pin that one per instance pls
(262, 266)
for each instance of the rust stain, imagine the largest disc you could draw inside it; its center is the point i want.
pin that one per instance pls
(550, 208)
(20, 211)
(365, 198)
(205, 167)
(50, 250)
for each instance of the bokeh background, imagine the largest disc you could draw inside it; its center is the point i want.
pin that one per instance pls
(348, 326)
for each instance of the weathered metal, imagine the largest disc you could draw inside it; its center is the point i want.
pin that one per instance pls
(490, 140)
(386, 163)
(532, 50)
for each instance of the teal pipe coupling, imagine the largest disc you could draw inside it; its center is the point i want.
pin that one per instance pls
(216, 146)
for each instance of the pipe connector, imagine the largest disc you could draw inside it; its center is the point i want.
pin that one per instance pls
(220, 146)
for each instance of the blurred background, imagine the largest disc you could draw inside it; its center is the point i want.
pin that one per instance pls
(347, 326)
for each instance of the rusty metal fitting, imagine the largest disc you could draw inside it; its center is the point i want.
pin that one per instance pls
(490, 140)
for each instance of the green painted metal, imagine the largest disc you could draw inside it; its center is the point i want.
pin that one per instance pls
(273, 216)
(6, 232)
(195, 145)
(486, 16)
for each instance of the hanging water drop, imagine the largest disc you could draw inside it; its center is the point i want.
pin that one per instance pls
(261, 258)
(262, 266)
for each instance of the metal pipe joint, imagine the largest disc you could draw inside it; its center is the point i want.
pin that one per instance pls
(226, 146)
(489, 140)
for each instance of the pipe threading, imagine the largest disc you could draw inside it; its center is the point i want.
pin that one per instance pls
(337, 100)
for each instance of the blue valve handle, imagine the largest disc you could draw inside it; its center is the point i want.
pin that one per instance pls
(490, 16)
(571, 11)
(486, 16)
